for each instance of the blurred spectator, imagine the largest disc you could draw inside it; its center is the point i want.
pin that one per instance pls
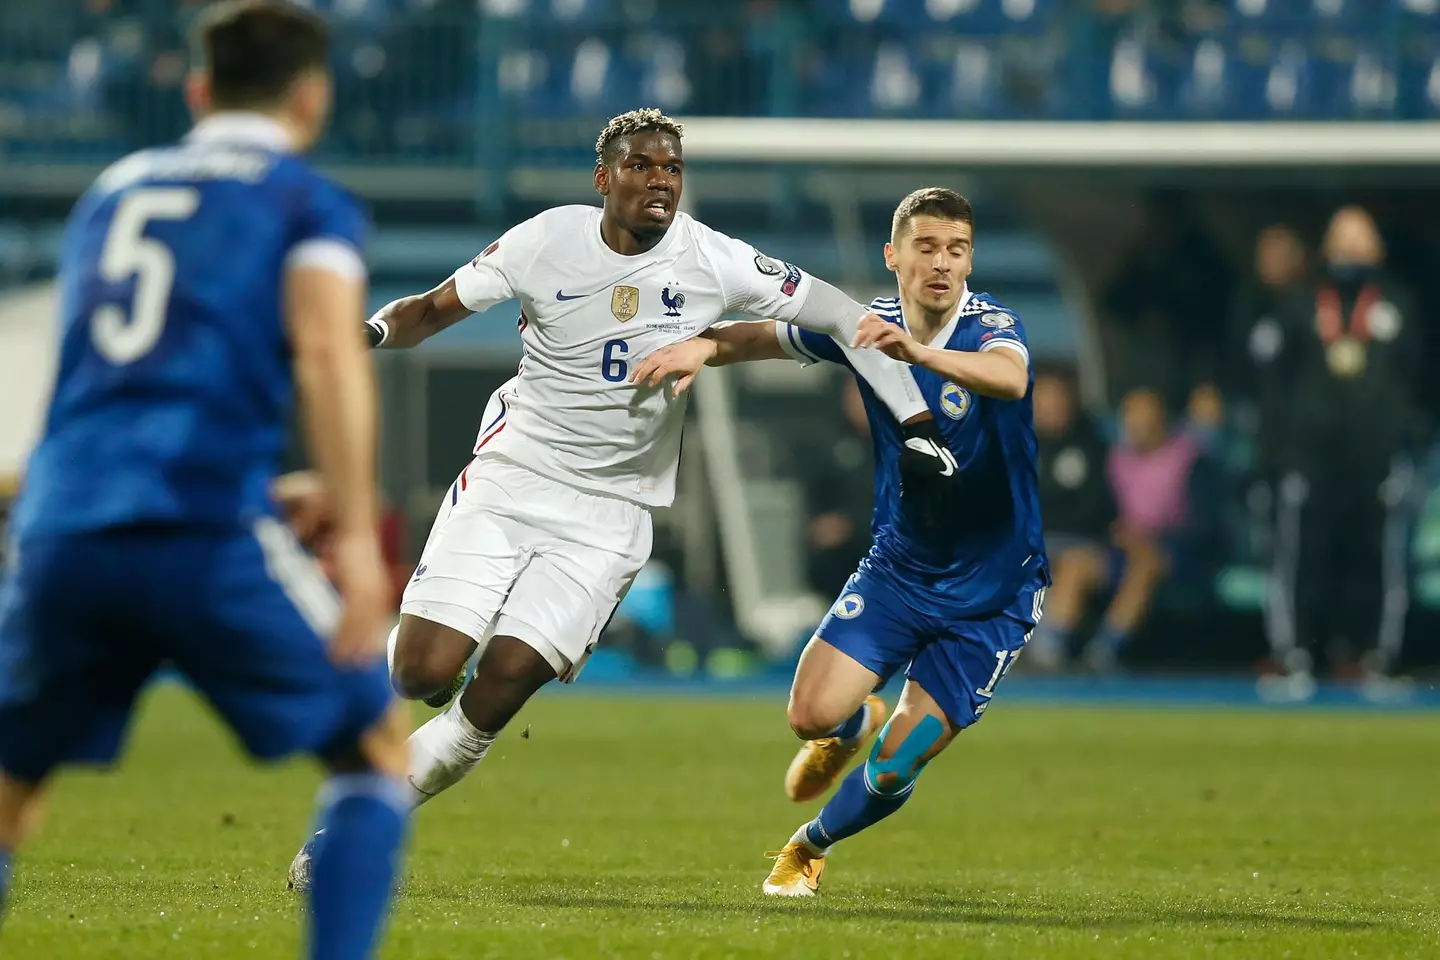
(1078, 508)
(840, 498)
(1340, 373)
(1151, 473)
(1162, 303)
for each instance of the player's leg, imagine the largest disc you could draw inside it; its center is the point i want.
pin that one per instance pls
(949, 685)
(362, 813)
(70, 668)
(252, 641)
(917, 732)
(583, 551)
(867, 635)
(451, 744)
(20, 807)
(471, 558)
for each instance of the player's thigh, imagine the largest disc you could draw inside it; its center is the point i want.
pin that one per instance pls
(568, 592)
(829, 686)
(478, 546)
(73, 655)
(869, 625)
(962, 670)
(256, 649)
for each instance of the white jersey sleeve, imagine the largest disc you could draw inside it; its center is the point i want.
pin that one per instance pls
(498, 273)
(753, 283)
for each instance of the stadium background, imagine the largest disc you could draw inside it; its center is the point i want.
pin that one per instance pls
(1122, 157)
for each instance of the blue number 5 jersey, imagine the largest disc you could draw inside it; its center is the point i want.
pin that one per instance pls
(174, 389)
(992, 549)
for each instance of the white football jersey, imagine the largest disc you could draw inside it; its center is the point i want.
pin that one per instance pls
(588, 315)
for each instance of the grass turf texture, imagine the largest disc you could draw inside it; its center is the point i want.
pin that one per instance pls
(634, 827)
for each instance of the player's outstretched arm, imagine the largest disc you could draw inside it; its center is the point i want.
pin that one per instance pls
(405, 322)
(827, 309)
(1001, 373)
(722, 344)
(337, 392)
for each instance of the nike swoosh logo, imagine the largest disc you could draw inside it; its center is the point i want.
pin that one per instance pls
(560, 295)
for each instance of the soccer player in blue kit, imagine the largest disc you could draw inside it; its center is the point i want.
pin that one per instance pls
(952, 587)
(200, 285)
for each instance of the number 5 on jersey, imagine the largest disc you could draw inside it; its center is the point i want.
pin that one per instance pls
(129, 253)
(612, 363)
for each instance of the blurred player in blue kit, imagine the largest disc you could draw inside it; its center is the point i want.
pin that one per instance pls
(952, 586)
(201, 285)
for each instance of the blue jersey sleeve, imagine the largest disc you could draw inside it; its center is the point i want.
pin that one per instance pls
(806, 346)
(331, 228)
(999, 329)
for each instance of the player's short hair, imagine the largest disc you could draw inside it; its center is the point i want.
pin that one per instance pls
(626, 125)
(254, 50)
(940, 202)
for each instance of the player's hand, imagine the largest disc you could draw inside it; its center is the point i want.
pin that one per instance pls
(681, 360)
(365, 591)
(929, 474)
(303, 500)
(891, 338)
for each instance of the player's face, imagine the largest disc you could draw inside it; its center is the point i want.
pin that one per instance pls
(931, 259)
(642, 188)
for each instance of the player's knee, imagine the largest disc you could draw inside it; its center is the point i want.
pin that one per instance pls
(895, 761)
(421, 669)
(809, 720)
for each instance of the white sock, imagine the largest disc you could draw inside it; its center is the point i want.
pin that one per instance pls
(443, 751)
(802, 837)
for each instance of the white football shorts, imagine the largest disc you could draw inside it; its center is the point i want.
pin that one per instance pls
(514, 553)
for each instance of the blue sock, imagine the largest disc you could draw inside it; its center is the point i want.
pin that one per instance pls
(853, 727)
(854, 807)
(4, 878)
(364, 817)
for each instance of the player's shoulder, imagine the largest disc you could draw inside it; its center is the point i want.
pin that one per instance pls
(566, 224)
(985, 311)
(887, 308)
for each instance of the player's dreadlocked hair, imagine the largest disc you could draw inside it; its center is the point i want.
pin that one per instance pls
(940, 202)
(627, 125)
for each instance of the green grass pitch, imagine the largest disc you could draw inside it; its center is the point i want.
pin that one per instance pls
(635, 827)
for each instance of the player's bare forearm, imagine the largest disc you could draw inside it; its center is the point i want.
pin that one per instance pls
(411, 320)
(336, 384)
(1000, 373)
(743, 341)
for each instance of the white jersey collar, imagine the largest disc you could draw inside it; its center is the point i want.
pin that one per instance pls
(664, 245)
(243, 127)
(943, 335)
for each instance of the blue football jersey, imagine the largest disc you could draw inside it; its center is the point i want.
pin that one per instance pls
(993, 548)
(173, 396)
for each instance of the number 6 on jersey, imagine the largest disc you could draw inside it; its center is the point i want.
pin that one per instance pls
(613, 367)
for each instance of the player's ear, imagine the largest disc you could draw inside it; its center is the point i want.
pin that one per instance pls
(889, 256)
(602, 179)
(197, 93)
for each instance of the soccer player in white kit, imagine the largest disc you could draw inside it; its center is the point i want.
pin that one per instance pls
(542, 534)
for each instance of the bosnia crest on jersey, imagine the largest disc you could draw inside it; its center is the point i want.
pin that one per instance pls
(955, 401)
(625, 303)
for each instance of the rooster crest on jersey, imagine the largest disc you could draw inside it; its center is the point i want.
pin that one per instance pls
(625, 303)
(673, 303)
